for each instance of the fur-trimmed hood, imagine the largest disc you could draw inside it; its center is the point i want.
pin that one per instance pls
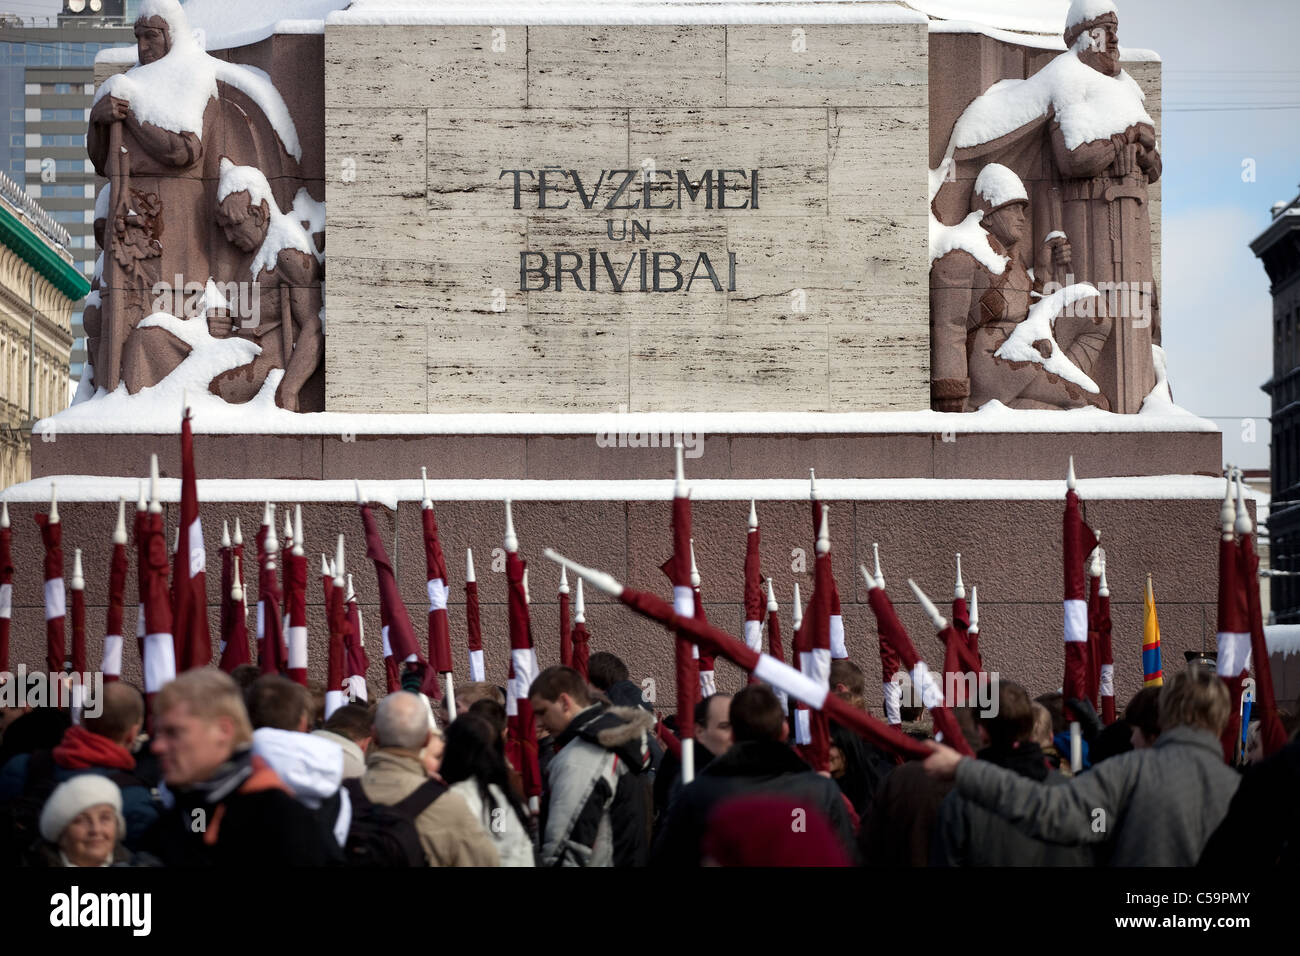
(624, 731)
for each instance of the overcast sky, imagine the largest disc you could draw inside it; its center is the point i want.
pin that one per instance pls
(1223, 63)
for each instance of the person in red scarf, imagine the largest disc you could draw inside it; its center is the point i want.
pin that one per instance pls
(101, 744)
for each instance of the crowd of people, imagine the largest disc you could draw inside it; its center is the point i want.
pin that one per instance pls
(241, 769)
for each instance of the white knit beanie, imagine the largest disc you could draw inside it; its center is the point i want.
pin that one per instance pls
(76, 795)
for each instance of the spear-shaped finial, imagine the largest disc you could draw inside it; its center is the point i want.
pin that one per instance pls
(268, 515)
(239, 533)
(469, 565)
(959, 591)
(155, 506)
(812, 484)
(1227, 511)
(680, 490)
(753, 515)
(288, 528)
(140, 503)
(880, 576)
(597, 579)
(361, 500)
(579, 605)
(1243, 525)
(4, 514)
(824, 532)
(932, 612)
(425, 501)
(297, 530)
(119, 530)
(54, 503)
(325, 571)
(695, 571)
(511, 541)
(1104, 589)
(564, 580)
(796, 611)
(872, 583)
(974, 627)
(1069, 476)
(225, 533)
(338, 560)
(352, 592)
(771, 597)
(78, 582)
(236, 587)
(272, 544)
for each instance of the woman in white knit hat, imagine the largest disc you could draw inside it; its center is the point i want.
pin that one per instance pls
(82, 824)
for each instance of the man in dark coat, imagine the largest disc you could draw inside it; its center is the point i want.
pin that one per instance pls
(1262, 828)
(227, 806)
(760, 761)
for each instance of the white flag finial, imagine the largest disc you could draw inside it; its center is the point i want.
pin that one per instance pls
(469, 565)
(597, 579)
(880, 577)
(360, 498)
(236, 586)
(932, 612)
(679, 480)
(225, 533)
(338, 560)
(695, 571)
(239, 534)
(288, 527)
(796, 610)
(824, 532)
(4, 514)
(425, 501)
(1243, 524)
(872, 583)
(974, 627)
(268, 514)
(325, 571)
(1227, 511)
(812, 484)
(753, 515)
(352, 592)
(579, 605)
(78, 582)
(1069, 476)
(564, 580)
(771, 597)
(1104, 589)
(140, 503)
(959, 591)
(119, 531)
(272, 542)
(511, 541)
(297, 530)
(54, 503)
(155, 506)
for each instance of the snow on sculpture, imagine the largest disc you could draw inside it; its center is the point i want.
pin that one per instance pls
(160, 133)
(1077, 135)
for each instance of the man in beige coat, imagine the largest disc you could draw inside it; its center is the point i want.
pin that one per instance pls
(406, 743)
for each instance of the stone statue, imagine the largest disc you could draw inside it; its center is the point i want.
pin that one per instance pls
(1076, 135)
(981, 290)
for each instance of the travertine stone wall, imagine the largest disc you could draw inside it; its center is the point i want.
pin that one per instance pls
(830, 308)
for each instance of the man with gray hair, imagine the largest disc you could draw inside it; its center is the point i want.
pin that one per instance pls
(407, 744)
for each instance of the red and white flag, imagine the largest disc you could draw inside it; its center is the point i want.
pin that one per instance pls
(678, 570)
(264, 533)
(77, 587)
(189, 568)
(1094, 624)
(296, 599)
(566, 626)
(958, 658)
(56, 609)
(140, 530)
(354, 638)
(960, 610)
(159, 644)
(581, 639)
(6, 585)
(234, 633)
(839, 650)
(1078, 541)
(473, 627)
(399, 635)
(1107, 683)
(753, 587)
(523, 668)
(1233, 628)
(890, 663)
(812, 645)
(337, 683)
(111, 660)
(273, 657)
(436, 585)
(774, 649)
(708, 678)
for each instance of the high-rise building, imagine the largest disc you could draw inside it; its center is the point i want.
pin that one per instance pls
(1278, 248)
(46, 86)
(39, 285)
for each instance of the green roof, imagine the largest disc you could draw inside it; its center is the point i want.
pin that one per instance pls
(19, 237)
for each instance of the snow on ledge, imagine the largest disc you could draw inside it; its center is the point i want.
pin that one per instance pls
(1037, 41)
(1282, 639)
(618, 12)
(214, 417)
(89, 488)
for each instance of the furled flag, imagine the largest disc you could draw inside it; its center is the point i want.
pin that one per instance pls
(523, 668)
(111, 660)
(708, 678)
(234, 634)
(960, 612)
(1078, 542)
(189, 567)
(780, 676)
(399, 636)
(566, 626)
(774, 649)
(753, 587)
(77, 656)
(1273, 736)
(839, 650)
(159, 644)
(140, 528)
(6, 585)
(473, 627)
(581, 639)
(1152, 674)
(56, 609)
(355, 640)
(923, 682)
(812, 645)
(337, 683)
(226, 553)
(958, 658)
(678, 570)
(890, 664)
(436, 584)
(273, 656)
(1233, 637)
(296, 599)
(1104, 649)
(1094, 623)
(263, 533)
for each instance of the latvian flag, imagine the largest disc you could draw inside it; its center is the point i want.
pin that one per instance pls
(473, 627)
(56, 608)
(111, 662)
(1078, 540)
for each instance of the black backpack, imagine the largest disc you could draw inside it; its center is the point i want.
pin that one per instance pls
(385, 836)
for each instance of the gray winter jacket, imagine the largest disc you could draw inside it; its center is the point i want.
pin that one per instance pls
(1155, 807)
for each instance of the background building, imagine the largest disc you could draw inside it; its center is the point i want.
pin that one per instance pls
(46, 87)
(39, 285)
(1278, 248)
